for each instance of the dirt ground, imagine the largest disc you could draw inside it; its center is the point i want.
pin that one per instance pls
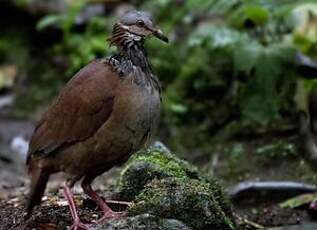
(54, 214)
(229, 168)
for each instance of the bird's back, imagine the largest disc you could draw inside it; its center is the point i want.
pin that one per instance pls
(83, 105)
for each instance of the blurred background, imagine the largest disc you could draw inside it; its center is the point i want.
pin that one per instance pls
(235, 77)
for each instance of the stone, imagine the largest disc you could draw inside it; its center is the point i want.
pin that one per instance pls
(159, 183)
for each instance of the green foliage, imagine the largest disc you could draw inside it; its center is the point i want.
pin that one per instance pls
(81, 49)
(78, 48)
(305, 32)
(15, 50)
(227, 67)
(305, 39)
(66, 21)
(21, 3)
(229, 63)
(9, 43)
(277, 149)
(273, 72)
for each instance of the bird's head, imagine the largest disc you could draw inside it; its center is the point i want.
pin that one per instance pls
(135, 26)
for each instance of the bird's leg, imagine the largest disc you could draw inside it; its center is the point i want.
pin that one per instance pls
(78, 224)
(107, 211)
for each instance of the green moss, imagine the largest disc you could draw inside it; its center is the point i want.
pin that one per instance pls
(148, 164)
(161, 184)
(188, 200)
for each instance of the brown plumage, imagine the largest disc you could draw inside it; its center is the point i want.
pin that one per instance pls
(105, 113)
(82, 107)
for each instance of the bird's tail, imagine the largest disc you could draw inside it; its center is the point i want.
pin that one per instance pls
(39, 178)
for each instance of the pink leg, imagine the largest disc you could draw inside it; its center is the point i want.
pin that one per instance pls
(107, 212)
(72, 206)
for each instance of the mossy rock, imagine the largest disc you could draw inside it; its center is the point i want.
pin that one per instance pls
(143, 222)
(160, 183)
(154, 162)
(189, 201)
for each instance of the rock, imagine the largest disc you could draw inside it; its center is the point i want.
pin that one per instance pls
(12, 134)
(144, 221)
(190, 201)
(161, 184)
(12, 171)
(6, 101)
(20, 146)
(155, 162)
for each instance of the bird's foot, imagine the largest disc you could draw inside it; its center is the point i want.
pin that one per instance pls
(78, 225)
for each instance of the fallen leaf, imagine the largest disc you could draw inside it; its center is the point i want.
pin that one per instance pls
(299, 201)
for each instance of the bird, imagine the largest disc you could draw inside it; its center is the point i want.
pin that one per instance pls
(106, 112)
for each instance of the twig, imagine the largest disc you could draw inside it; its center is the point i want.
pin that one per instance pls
(248, 223)
(259, 186)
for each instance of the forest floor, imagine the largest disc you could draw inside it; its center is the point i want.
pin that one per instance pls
(273, 159)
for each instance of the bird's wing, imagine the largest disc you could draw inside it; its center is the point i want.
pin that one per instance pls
(81, 108)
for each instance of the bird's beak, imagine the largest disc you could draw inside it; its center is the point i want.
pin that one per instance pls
(159, 34)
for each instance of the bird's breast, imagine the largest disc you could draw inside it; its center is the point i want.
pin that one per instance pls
(136, 110)
(132, 123)
(133, 120)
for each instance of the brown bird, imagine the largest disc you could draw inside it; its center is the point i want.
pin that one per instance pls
(105, 113)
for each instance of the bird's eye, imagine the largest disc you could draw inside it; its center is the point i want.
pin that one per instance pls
(140, 23)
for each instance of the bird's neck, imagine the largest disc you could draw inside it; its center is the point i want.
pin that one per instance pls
(131, 48)
(135, 56)
(132, 54)
(136, 53)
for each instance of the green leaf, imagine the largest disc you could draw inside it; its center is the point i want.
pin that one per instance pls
(215, 36)
(257, 14)
(178, 108)
(246, 56)
(49, 20)
(262, 98)
(299, 201)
